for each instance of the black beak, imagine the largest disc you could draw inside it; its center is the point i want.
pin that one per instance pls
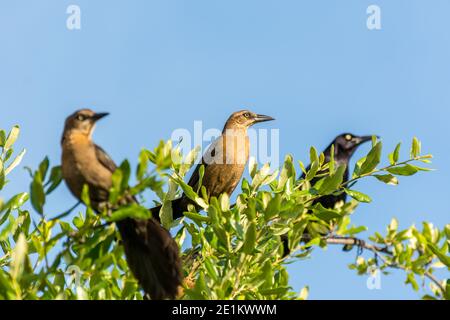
(98, 116)
(361, 140)
(262, 118)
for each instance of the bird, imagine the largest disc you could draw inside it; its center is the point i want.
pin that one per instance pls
(344, 146)
(224, 161)
(151, 252)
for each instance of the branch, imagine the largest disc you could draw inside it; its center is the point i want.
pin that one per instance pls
(377, 250)
(350, 241)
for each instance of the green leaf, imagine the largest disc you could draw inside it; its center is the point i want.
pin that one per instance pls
(315, 164)
(132, 211)
(187, 189)
(116, 186)
(85, 197)
(262, 177)
(313, 156)
(287, 172)
(15, 162)
(198, 218)
(275, 291)
(358, 196)
(224, 202)
(441, 255)
(43, 168)
(252, 166)
(37, 193)
(142, 165)
(279, 229)
(304, 293)
(355, 230)
(250, 238)
(18, 257)
(55, 179)
(406, 170)
(393, 157)
(447, 290)
(415, 148)
(126, 173)
(331, 183)
(2, 138)
(17, 201)
(201, 174)
(372, 159)
(273, 207)
(2, 175)
(387, 178)
(12, 137)
(393, 226)
(410, 279)
(189, 161)
(166, 214)
(325, 214)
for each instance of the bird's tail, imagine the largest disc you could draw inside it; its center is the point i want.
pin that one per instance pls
(285, 242)
(153, 257)
(178, 207)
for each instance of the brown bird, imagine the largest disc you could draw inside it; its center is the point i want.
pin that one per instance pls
(224, 161)
(151, 252)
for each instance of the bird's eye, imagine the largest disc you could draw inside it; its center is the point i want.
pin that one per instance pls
(247, 115)
(348, 137)
(80, 117)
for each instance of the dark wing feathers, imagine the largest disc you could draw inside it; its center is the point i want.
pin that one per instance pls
(105, 159)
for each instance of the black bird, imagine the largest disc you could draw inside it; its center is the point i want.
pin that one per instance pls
(345, 146)
(151, 252)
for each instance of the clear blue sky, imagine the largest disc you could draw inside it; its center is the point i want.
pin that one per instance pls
(313, 65)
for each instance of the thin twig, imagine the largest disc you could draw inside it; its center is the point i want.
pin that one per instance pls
(64, 214)
(377, 250)
(350, 241)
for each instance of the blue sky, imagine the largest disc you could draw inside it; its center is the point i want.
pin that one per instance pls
(313, 65)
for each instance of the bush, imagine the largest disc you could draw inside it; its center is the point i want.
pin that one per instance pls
(232, 251)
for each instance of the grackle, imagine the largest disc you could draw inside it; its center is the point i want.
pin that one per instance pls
(345, 146)
(151, 252)
(224, 161)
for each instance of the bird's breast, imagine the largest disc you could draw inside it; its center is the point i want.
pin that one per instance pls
(80, 167)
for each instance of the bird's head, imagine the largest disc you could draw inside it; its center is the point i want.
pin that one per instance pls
(245, 119)
(82, 122)
(348, 142)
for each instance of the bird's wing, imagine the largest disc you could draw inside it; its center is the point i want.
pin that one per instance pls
(105, 159)
(196, 175)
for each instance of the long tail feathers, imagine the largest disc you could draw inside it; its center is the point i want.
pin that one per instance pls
(153, 257)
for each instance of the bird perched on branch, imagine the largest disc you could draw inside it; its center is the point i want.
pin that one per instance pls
(224, 162)
(345, 146)
(151, 252)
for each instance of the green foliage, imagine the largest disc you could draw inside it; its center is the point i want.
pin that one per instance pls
(234, 250)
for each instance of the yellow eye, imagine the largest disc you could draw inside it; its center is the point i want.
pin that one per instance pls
(348, 137)
(80, 117)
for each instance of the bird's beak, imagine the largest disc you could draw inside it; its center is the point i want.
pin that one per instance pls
(361, 140)
(262, 118)
(98, 116)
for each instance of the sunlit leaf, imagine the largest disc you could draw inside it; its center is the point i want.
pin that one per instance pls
(359, 196)
(372, 159)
